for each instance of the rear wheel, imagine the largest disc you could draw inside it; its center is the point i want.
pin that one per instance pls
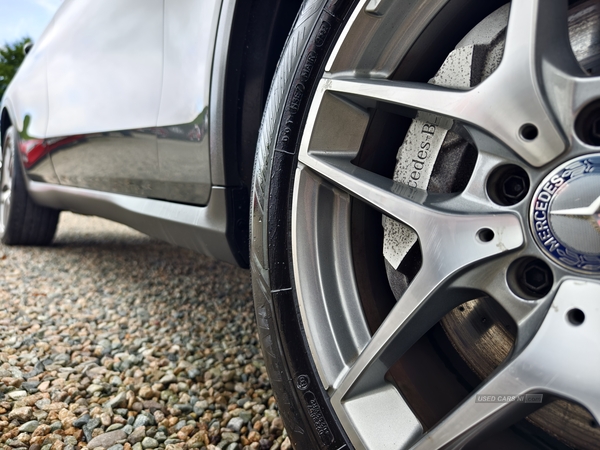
(22, 222)
(425, 248)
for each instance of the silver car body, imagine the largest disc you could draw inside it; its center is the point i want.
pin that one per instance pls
(112, 107)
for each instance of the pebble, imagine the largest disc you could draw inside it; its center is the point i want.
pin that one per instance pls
(17, 395)
(185, 409)
(149, 442)
(21, 414)
(247, 415)
(146, 392)
(168, 379)
(94, 388)
(235, 424)
(105, 419)
(276, 426)
(31, 386)
(70, 440)
(92, 424)
(41, 404)
(142, 420)
(29, 427)
(120, 400)
(106, 440)
(137, 435)
(230, 437)
(122, 342)
(286, 444)
(152, 406)
(79, 423)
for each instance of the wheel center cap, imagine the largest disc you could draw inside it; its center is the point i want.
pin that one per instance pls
(565, 214)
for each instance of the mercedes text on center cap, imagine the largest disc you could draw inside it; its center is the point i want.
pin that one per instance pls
(565, 214)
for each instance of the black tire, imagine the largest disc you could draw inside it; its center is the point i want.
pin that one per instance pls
(303, 403)
(25, 222)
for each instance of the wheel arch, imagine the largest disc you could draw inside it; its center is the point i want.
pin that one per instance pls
(259, 30)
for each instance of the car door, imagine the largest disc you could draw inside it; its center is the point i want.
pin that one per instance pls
(127, 96)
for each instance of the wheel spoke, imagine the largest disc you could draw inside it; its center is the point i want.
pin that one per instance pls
(423, 304)
(5, 190)
(515, 92)
(5, 172)
(5, 186)
(585, 89)
(562, 360)
(398, 201)
(6, 169)
(5, 194)
(509, 105)
(417, 311)
(535, 27)
(410, 206)
(571, 94)
(418, 96)
(564, 356)
(5, 205)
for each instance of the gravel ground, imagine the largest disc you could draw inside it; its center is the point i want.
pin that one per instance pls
(112, 340)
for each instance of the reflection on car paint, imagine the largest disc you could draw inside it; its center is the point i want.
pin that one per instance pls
(33, 150)
(157, 162)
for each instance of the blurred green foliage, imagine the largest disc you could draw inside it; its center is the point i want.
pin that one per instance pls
(11, 57)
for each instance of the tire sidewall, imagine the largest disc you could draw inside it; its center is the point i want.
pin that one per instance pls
(303, 402)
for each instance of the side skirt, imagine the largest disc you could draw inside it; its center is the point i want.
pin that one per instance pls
(199, 228)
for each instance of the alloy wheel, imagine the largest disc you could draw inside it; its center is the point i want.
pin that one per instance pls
(391, 244)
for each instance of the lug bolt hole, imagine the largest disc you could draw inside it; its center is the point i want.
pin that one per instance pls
(576, 316)
(530, 278)
(485, 235)
(529, 132)
(508, 185)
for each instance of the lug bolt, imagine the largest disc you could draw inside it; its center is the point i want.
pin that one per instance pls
(530, 278)
(508, 185)
(536, 277)
(514, 187)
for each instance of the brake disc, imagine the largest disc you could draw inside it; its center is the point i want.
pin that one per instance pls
(434, 157)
